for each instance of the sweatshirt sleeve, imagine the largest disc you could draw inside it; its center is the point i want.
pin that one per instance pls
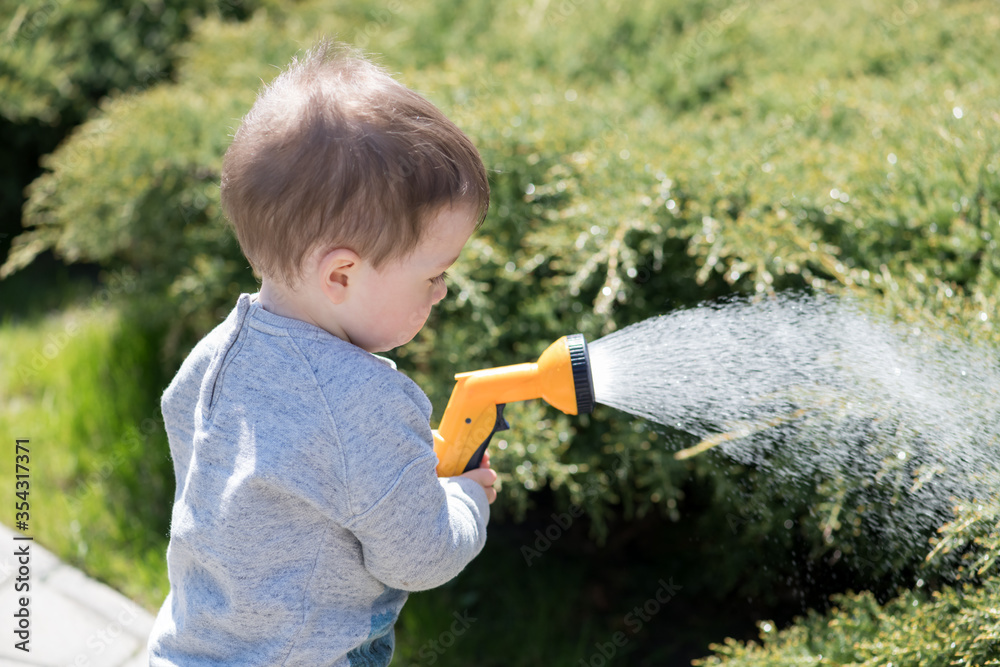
(421, 535)
(416, 531)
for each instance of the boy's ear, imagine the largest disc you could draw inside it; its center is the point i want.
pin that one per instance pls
(337, 270)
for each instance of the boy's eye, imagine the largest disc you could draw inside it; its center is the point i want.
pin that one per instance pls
(440, 278)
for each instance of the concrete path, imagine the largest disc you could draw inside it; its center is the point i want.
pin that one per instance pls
(74, 621)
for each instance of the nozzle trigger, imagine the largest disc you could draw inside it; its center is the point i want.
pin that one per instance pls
(500, 425)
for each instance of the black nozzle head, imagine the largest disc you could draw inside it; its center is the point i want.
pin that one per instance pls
(583, 379)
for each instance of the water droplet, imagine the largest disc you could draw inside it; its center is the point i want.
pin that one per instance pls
(624, 154)
(891, 157)
(957, 112)
(530, 190)
(570, 95)
(671, 204)
(835, 193)
(510, 267)
(766, 627)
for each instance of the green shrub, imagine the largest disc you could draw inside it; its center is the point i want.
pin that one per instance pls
(58, 57)
(954, 626)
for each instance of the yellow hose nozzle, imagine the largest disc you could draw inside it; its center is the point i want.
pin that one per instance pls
(561, 377)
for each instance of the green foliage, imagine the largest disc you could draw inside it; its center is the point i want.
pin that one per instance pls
(954, 626)
(974, 534)
(60, 56)
(58, 59)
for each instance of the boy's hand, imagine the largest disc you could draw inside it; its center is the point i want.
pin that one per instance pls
(485, 477)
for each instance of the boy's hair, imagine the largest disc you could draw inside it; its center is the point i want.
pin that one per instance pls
(337, 153)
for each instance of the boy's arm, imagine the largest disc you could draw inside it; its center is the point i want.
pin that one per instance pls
(180, 399)
(416, 531)
(425, 530)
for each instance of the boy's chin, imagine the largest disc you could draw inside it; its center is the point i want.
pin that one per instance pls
(377, 347)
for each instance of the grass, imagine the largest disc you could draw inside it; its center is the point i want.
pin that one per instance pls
(80, 384)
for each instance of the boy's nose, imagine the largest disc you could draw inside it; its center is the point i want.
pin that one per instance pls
(439, 293)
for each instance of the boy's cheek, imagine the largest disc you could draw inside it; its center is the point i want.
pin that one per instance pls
(410, 328)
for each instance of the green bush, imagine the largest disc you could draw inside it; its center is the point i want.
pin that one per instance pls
(58, 60)
(956, 625)
(59, 57)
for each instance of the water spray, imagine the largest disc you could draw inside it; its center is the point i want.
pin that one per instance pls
(561, 377)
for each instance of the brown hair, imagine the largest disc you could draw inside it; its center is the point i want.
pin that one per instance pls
(336, 152)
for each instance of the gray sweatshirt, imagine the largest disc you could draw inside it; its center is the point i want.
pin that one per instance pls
(307, 503)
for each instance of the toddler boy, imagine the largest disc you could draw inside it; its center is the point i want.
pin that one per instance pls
(307, 503)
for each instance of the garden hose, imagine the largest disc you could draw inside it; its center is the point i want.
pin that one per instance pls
(561, 377)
